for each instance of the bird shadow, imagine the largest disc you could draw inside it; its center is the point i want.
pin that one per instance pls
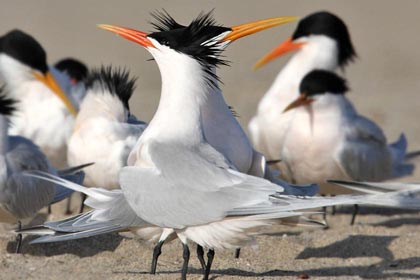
(394, 223)
(369, 210)
(86, 247)
(353, 246)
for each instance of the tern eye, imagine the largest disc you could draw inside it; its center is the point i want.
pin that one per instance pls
(164, 42)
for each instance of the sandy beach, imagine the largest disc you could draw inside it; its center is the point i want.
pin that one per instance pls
(385, 86)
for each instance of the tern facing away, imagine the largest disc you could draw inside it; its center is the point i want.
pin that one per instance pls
(321, 41)
(178, 183)
(45, 113)
(21, 197)
(104, 131)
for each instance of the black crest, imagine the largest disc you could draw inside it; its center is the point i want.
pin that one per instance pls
(74, 68)
(321, 81)
(194, 40)
(7, 105)
(116, 81)
(325, 23)
(24, 48)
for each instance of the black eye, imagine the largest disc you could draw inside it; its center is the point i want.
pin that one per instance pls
(164, 42)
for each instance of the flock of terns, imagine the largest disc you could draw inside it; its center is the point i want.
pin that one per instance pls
(191, 172)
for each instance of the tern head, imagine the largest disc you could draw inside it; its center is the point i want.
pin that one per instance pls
(203, 39)
(322, 30)
(317, 83)
(76, 69)
(109, 89)
(21, 53)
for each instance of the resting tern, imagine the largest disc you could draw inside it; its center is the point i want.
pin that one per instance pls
(179, 183)
(104, 131)
(45, 113)
(321, 41)
(21, 197)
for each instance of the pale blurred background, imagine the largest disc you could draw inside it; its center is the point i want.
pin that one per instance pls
(385, 79)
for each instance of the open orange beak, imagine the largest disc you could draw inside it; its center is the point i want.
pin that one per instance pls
(283, 48)
(50, 82)
(136, 36)
(239, 31)
(302, 100)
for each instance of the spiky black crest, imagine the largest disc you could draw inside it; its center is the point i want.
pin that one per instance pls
(7, 105)
(24, 48)
(74, 68)
(321, 81)
(164, 21)
(328, 24)
(117, 81)
(198, 40)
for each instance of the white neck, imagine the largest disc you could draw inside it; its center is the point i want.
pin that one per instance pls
(4, 140)
(184, 90)
(318, 52)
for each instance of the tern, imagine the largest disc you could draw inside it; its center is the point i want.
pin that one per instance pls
(45, 113)
(104, 131)
(321, 41)
(21, 197)
(178, 182)
(328, 139)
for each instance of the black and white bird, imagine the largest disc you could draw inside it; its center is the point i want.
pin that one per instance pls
(21, 197)
(45, 112)
(320, 41)
(104, 131)
(178, 183)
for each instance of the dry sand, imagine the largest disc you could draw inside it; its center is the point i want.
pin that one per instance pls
(385, 87)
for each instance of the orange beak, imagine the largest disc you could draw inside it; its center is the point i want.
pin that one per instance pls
(302, 100)
(239, 31)
(50, 82)
(136, 36)
(283, 48)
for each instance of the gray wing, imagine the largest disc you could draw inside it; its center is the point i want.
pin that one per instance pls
(364, 154)
(24, 196)
(191, 187)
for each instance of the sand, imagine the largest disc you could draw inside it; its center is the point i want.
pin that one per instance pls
(385, 87)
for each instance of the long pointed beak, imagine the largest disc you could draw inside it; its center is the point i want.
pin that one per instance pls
(239, 31)
(133, 35)
(283, 48)
(50, 82)
(302, 100)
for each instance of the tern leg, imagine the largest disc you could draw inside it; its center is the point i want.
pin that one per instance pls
(156, 253)
(68, 206)
(210, 257)
(49, 209)
(200, 256)
(186, 256)
(355, 212)
(333, 210)
(82, 206)
(237, 253)
(324, 217)
(18, 239)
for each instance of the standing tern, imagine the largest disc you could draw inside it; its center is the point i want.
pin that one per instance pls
(45, 113)
(178, 182)
(328, 139)
(104, 131)
(321, 41)
(21, 197)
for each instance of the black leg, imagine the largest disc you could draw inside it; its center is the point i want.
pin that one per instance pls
(210, 257)
(82, 206)
(237, 253)
(18, 239)
(186, 256)
(355, 212)
(68, 206)
(49, 209)
(156, 253)
(200, 256)
(334, 210)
